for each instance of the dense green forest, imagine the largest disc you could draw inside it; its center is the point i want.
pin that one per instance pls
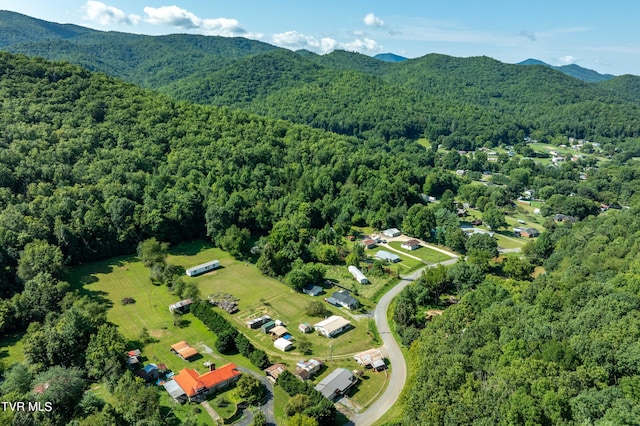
(466, 102)
(559, 349)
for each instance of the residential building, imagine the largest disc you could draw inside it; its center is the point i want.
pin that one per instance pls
(410, 244)
(337, 383)
(343, 298)
(189, 385)
(201, 269)
(387, 256)
(332, 326)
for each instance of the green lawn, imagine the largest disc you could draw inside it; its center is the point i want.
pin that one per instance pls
(425, 253)
(11, 350)
(406, 264)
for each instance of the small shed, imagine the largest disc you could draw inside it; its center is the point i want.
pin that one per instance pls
(278, 331)
(312, 290)
(358, 275)
(181, 307)
(282, 344)
(305, 328)
(266, 327)
(257, 322)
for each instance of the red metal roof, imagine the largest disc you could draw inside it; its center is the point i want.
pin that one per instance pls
(191, 381)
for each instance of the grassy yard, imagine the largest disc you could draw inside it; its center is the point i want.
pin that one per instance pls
(425, 253)
(406, 264)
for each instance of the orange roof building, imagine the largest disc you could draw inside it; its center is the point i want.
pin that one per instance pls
(194, 384)
(183, 349)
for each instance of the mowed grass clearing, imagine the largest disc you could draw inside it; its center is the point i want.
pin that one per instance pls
(425, 253)
(112, 280)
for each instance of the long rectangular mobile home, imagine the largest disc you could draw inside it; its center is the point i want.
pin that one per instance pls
(205, 267)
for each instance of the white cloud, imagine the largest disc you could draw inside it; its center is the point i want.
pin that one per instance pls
(107, 15)
(177, 17)
(567, 60)
(294, 40)
(365, 45)
(372, 20)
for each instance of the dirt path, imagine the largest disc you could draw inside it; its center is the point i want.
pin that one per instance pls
(216, 418)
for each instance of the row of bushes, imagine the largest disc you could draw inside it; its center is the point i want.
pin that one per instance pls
(230, 340)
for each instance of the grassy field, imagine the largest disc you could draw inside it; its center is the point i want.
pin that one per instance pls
(11, 350)
(112, 280)
(406, 264)
(425, 253)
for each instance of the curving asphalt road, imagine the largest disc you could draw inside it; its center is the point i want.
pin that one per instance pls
(399, 366)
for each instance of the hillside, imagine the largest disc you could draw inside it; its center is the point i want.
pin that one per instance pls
(624, 86)
(573, 70)
(463, 101)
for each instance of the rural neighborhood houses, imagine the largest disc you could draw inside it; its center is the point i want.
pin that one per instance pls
(373, 358)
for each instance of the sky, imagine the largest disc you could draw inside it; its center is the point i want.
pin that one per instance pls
(600, 35)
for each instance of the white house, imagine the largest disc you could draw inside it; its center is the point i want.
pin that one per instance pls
(332, 326)
(205, 267)
(411, 245)
(358, 275)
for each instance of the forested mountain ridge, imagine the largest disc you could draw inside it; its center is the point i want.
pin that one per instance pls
(560, 349)
(573, 70)
(461, 102)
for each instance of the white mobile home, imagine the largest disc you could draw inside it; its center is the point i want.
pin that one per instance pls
(358, 275)
(205, 267)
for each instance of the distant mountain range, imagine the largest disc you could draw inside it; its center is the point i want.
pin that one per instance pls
(437, 96)
(584, 74)
(390, 57)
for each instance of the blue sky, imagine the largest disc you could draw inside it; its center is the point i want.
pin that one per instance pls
(599, 35)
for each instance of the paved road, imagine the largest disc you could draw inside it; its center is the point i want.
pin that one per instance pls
(398, 363)
(267, 403)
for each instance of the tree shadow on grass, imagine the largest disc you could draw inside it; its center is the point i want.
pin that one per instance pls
(6, 341)
(190, 248)
(83, 276)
